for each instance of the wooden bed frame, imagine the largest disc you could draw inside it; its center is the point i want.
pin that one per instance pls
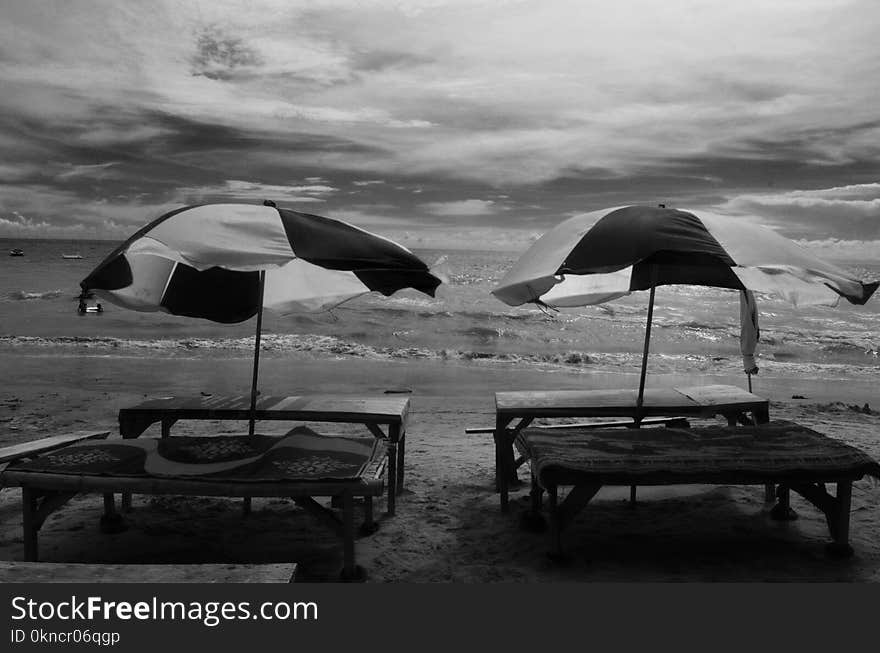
(630, 468)
(45, 492)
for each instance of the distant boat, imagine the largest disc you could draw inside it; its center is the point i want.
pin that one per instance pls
(71, 256)
(16, 252)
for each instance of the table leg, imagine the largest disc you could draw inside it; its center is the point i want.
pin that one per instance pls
(392, 475)
(401, 445)
(502, 454)
(762, 414)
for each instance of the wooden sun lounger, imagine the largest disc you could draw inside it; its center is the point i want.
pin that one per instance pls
(61, 572)
(784, 453)
(45, 492)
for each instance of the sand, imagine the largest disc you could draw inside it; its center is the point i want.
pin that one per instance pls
(448, 527)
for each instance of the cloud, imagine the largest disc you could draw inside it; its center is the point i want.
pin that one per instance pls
(751, 106)
(847, 212)
(469, 207)
(248, 190)
(367, 182)
(844, 250)
(219, 56)
(97, 171)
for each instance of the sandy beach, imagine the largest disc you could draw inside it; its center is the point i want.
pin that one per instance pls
(448, 527)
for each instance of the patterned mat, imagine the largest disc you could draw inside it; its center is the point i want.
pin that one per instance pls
(300, 455)
(774, 449)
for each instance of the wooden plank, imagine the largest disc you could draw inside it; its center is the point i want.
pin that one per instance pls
(57, 572)
(321, 408)
(715, 395)
(649, 421)
(622, 402)
(592, 403)
(24, 449)
(153, 485)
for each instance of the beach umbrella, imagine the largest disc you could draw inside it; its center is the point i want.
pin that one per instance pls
(603, 255)
(226, 262)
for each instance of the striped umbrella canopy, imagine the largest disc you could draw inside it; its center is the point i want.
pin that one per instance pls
(603, 255)
(225, 262)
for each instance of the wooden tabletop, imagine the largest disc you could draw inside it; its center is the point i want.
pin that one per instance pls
(323, 408)
(622, 403)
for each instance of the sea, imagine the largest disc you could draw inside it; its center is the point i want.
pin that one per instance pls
(695, 329)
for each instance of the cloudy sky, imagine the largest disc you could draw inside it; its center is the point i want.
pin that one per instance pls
(450, 122)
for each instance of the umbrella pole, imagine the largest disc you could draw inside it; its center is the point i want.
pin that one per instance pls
(641, 397)
(256, 356)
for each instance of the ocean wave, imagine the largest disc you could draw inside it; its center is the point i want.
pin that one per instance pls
(25, 295)
(570, 360)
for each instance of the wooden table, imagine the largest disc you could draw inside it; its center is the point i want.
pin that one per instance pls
(698, 401)
(373, 412)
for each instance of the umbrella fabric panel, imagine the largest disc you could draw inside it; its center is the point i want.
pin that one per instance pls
(214, 294)
(340, 246)
(749, 331)
(536, 271)
(301, 286)
(649, 232)
(242, 237)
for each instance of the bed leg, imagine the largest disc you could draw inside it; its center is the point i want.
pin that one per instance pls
(532, 520)
(782, 510)
(632, 496)
(369, 526)
(839, 522)
(111, 521)
(29, 523)
(350, 571)
(246, 506)
(769, 492)
(556, 553)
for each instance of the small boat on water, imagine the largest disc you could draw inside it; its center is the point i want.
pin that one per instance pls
(71, 256)
(16, 252)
